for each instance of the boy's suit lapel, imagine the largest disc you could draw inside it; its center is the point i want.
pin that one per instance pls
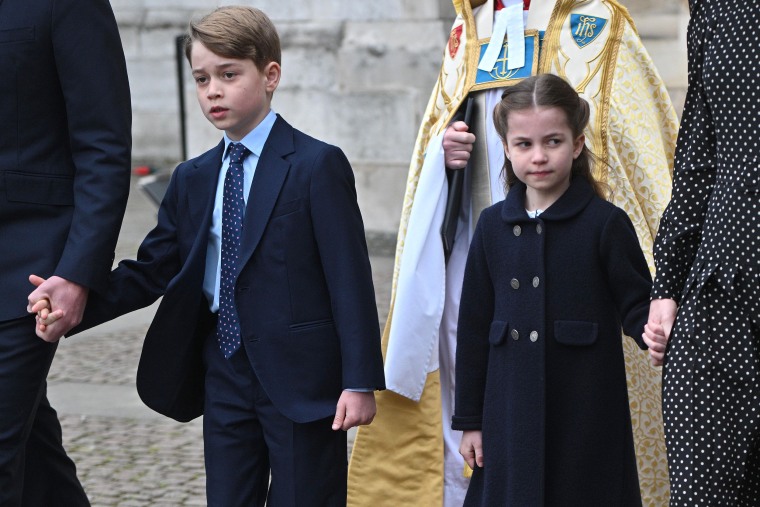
(270, 175)
(201, 187)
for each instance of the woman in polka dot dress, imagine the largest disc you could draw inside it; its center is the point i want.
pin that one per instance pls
(707, 255)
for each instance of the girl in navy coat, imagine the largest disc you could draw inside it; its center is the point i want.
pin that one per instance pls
(554, 271)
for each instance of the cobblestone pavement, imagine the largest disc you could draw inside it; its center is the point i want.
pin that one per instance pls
(127, 455)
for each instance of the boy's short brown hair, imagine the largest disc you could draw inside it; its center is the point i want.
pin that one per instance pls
(236, 32)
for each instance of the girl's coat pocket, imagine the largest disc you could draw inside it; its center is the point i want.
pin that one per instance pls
(576, 333)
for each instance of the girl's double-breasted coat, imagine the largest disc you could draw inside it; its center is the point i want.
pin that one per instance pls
(540, 367)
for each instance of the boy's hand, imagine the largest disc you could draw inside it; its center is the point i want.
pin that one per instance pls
(354, 408)
(471, 448)
(457, 145)
(68, 297)
(45, 316)
(662, 314)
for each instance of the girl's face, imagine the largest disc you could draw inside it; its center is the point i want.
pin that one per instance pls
(541, 147)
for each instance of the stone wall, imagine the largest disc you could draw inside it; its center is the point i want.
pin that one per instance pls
(355, 73)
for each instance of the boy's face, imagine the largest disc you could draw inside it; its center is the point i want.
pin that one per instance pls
(233, 94)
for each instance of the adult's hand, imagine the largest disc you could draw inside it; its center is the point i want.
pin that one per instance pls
(68, 297)
(457, 145)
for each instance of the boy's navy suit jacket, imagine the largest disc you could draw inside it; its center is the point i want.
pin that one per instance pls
(304, 289)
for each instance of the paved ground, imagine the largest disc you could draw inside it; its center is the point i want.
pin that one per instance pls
(126, 454)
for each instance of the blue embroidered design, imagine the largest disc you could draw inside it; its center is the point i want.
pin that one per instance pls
(586, 28)
(500, 72)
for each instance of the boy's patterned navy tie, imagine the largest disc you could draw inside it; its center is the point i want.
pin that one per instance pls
(233, 207)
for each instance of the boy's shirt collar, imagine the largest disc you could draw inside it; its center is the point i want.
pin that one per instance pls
(255, 139)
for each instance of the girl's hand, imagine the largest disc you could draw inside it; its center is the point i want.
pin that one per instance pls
(655, 338)
(662, 315)
(471, 448)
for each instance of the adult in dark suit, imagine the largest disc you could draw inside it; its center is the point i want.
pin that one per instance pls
(303, 289)
(65, 141)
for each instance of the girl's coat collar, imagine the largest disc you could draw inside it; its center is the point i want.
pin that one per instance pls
(572, 202)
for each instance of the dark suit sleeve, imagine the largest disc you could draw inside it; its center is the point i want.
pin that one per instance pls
(339, 232)
(90, 65)
(138, 283)
(627, 273)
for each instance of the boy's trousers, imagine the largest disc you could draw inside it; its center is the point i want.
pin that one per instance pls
(246, 437)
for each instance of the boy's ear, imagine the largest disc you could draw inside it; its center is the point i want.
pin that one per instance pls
(272, 74)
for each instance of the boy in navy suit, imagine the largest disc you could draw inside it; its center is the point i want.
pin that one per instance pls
(268, 325)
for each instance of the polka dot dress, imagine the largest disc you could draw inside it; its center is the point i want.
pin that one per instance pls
(707, 255)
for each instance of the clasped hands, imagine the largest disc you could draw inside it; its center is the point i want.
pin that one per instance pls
(662, 315)
(58, 304)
